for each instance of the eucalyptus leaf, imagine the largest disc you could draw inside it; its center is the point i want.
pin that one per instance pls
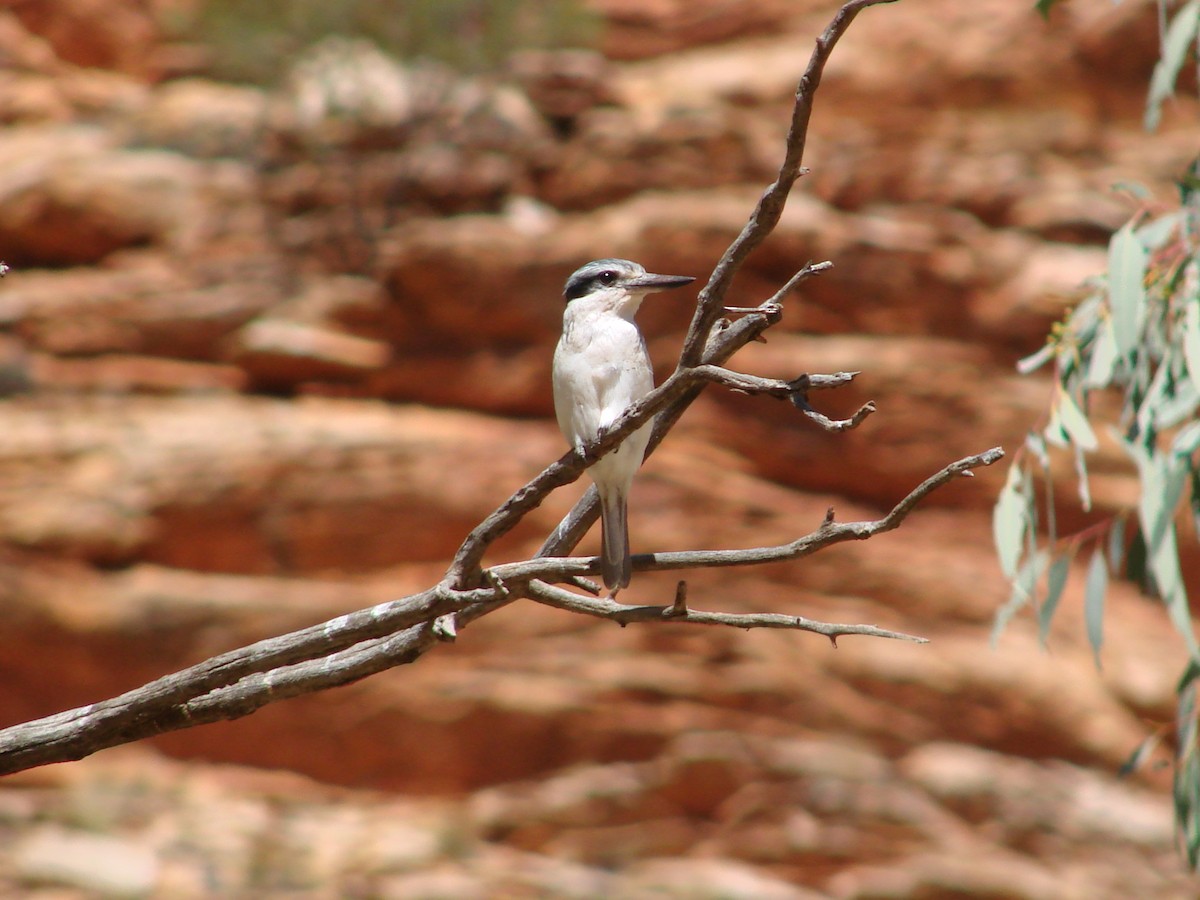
(1141, 753)
(1160, 487)
(1054, 433)
(1157, 232)
(1074, 422)
(1116, 545)
(1187, 441)
(1163, 562)
(1126, 290)
(1036, 444)
(1056, 580)
(1035, 361)
(1024, 591)
(1171, 411)
(1104, 356)
(1094, 590)
(1178, 41)
(1186, 788)
(1010, 518)
(1191, 339)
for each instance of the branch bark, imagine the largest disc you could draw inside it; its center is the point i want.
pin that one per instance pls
(362, 643)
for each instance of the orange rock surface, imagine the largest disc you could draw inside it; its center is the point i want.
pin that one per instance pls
(266, 363)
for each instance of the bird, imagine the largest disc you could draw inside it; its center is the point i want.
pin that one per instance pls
(601, 367)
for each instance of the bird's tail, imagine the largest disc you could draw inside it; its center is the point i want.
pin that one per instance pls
(616, 565)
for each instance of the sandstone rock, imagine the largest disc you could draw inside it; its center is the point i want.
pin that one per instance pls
(15, 375)
(613, 154)
(93, 863)
(125, 373)
(962, 159)
(76, 200)
(152, 309)
(128, 469)
(202, 119)
(708, 879)
(108, 34)
(28, 99)
(640, 29)
(277, 354)
(24, 50)
(562, 84)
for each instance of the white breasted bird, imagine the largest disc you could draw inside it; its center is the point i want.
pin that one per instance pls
(601, 367)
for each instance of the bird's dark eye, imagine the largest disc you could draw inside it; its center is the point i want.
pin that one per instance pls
(607, 277)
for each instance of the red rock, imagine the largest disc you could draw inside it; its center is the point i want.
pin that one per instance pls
(961, 156)
(278, 354)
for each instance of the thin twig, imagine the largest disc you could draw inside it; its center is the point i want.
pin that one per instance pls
(606, 608)
(561, 569)
(770, 206)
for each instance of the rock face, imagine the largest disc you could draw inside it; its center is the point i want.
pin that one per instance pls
(266, 357)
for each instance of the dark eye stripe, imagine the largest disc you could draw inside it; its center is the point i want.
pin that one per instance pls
(581, 286)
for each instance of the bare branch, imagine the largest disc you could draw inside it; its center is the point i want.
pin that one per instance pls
(362, 643)
(770, 206)
(607, 608)
(560, 569)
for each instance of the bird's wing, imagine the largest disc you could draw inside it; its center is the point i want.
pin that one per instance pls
(596, 381)
(576, 398)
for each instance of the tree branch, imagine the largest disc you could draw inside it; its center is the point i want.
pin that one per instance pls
(362, 643)
(770, 206)
(561, 569)
(607, 608)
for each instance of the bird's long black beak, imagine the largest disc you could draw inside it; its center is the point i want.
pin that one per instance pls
(651, 282)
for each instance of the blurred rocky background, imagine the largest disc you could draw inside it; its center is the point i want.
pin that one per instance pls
(270, 346)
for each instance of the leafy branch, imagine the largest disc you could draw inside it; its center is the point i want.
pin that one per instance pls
(1133, 338)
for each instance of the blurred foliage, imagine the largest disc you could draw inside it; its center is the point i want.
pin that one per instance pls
(1135, 337)
(255, 41)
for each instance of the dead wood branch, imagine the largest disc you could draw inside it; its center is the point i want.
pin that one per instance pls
(362, 643)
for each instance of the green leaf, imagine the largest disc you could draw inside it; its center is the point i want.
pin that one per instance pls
(1010, 518)
(1187, 441)
(1163, 562)
(1126, 290)
(1134, 188)
(1024, 590)
(1180, 35)
(1056, 580)
(1074, 422)
(1036, 444)
(1094, 590)
(1140, 754)
(1035, 361)
(1162, 479)
(1104, 356)
(1116, 545)
(1054, 433)
(1172, 410)
(1186, 789)
(1152, 400)
(1043, 7)
(1191, 339)
(1156, 232)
